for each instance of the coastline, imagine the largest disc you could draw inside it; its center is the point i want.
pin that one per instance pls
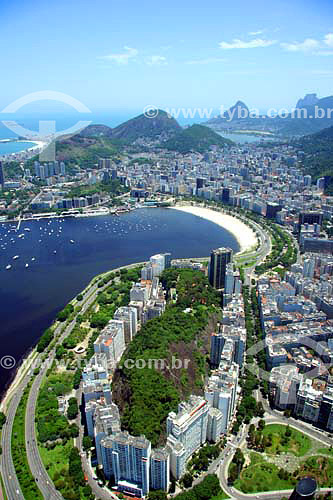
(26, 362)
(36, 147)
(244, 235)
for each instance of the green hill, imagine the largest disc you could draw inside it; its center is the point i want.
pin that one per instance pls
(86, 151)
(150, 128)
(318, 155)
(196, 138)
(96, 131)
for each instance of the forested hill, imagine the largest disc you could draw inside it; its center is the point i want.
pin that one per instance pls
(318, 155)
(196, 138)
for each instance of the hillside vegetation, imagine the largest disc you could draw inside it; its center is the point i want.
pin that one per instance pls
(146, 396)
(318, 159)
(196, 138)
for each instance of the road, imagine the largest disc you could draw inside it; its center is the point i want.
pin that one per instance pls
(11, 483)
(37, 468)
(222, 471)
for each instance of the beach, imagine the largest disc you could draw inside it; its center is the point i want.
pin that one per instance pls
(244, 235)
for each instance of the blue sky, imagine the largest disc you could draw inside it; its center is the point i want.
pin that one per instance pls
(115, 55)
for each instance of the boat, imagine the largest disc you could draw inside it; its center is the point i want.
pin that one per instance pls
(54, 251)
(33, 258)
(26, 229)
(71, 241)
(27, 265)
(8, 267)
(15, 257)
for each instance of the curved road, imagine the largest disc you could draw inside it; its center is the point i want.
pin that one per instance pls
(11, 483)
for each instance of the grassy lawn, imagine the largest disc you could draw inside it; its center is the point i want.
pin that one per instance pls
(19, 454)
(3, 489)
(326, 451)
(298, 444)
(261, 476)
(319, 467)
(56, 460)
(221, 496)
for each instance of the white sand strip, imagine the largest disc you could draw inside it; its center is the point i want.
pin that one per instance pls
(244, 235)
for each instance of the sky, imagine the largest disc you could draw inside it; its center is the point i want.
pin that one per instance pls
(122, 56)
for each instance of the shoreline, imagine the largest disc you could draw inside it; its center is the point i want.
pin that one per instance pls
(36, 147)
(244, 235)
(26, 361)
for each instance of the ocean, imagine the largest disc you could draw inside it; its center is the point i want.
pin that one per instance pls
(30, 297)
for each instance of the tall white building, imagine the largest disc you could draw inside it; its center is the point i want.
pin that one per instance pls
(127, 458)
(129, 316)
(111, 341)
(188, 427)
(221, 391)
(160, 469)
(214, 425)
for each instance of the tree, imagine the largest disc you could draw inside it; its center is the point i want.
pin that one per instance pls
(3, 419)
(75, 468)
(261, 424)
(87, 443)
(187, 480)
(72, 408)
(157, 495)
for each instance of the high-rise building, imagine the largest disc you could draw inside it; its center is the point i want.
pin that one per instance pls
(310, 218)
(129, 316)
(160, 469)
(127, 459)
(216, 346)
(219, 259)
(214, 425)
(221, 391)
(187, 428)
(111, 341)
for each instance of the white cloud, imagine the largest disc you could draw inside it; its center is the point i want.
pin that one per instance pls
(312, 46)
(209, 60)
(328, 40)
(256, 33)
(252, 44)
(308, 45)
(123, 58)
(156, 61)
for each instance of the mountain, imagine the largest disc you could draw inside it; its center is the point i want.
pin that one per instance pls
(308, 100)
(148, 128)
(96, 130)
(318, 155)
(233, 114)
(98, 141)
(196, 138)
(311, 115)
(160, 126)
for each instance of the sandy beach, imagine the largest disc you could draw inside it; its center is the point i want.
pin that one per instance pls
(244, 235)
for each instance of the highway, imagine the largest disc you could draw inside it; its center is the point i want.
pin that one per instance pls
(37, 468)
(11, 483)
